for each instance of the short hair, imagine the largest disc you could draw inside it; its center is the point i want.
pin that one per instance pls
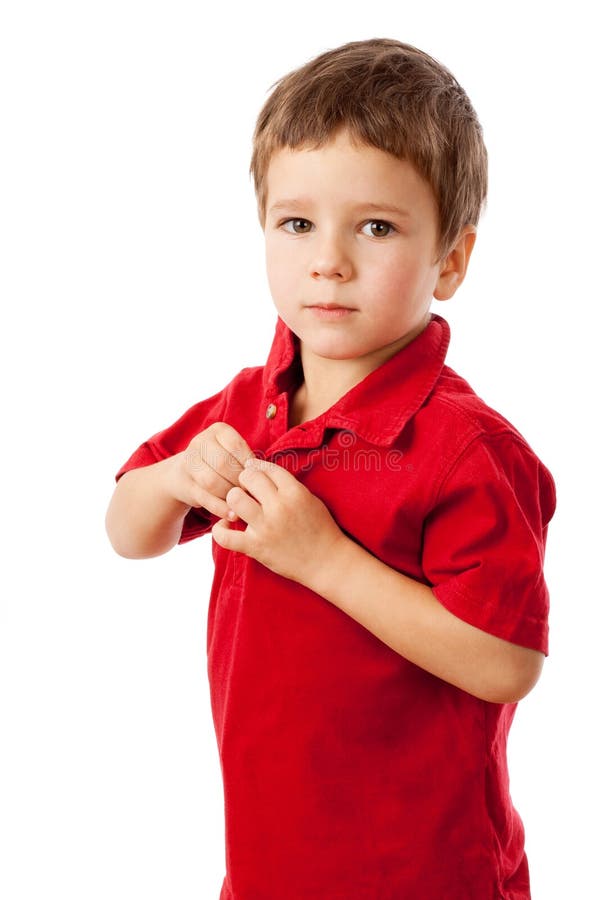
(387, 95)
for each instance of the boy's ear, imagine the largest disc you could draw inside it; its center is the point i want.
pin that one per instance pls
(454, 267)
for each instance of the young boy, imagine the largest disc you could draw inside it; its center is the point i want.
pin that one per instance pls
(379, 603)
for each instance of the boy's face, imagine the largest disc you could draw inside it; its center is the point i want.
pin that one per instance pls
(331, 240)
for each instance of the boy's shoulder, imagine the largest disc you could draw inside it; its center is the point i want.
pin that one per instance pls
(474, 438)
(457, 406)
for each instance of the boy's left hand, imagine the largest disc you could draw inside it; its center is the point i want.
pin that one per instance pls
(289, 529)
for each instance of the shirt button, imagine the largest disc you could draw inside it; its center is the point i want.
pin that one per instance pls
(271, 411)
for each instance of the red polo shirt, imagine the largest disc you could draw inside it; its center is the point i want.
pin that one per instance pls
(350, 773)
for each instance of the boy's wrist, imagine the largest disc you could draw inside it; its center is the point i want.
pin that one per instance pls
(166, 472)
(328, 575)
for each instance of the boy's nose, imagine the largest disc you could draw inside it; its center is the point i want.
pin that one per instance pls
(331, 261)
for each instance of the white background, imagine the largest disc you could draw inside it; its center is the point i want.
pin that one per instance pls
(133, 285)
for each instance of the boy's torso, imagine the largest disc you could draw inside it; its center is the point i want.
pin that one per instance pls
(351, 772)
(348, 771)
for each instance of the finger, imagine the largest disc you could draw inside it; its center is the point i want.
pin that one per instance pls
(215, 458)
(215, 505)
(207, 479)
(244, 506)
(234, 445)
(279, 476)
(229, 538)
(225, 455)
(259, 484)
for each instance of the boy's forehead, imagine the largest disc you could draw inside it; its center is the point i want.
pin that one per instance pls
(341, 169)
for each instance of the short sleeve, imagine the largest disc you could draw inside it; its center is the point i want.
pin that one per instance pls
(173, 440)
(484, 540)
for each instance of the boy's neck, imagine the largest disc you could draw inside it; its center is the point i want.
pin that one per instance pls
(327, 380)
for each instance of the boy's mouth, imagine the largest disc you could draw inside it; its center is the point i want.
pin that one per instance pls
(330, 310)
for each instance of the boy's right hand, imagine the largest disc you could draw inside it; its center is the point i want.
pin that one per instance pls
(203, 473)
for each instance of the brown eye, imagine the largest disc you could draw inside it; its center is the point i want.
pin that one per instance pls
(299, 226)
(376, 228)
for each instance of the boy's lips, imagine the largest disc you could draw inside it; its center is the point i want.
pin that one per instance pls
(330, 310)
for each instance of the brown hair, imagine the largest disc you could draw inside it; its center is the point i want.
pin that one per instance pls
(391, 96)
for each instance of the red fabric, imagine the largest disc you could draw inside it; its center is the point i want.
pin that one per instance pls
(349, 773)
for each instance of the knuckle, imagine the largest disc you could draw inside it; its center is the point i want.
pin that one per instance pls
(221, 428)
(295, 489)
(233, 494)
(199, 438)
(194, 457)
(234, 439)
(212, 504)
(199, 501)
(208, 481)
(220, 534)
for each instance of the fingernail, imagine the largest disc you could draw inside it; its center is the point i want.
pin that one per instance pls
(231, 515)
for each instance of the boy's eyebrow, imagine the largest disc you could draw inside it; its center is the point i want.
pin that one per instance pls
(304, 201)
(291, 201)
(384, 207)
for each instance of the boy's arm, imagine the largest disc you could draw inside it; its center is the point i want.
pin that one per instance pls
(405, 615)
(291, 531)
(143, 518)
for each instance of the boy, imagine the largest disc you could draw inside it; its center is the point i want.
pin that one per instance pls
(379, 604)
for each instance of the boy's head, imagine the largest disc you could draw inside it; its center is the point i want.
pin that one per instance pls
(390, 96)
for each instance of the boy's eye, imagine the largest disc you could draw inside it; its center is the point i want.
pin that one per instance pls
(377, 228)
(298, 226)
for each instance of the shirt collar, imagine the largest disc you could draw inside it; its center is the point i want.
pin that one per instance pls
(379, 406)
